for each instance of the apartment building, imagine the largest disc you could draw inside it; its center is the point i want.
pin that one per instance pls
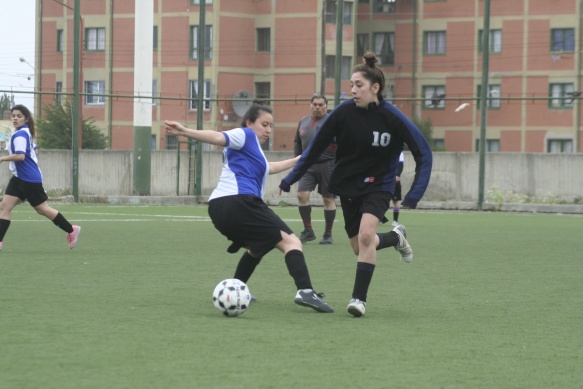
(284, 50)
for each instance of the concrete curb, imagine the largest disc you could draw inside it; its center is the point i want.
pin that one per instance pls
(576, 209)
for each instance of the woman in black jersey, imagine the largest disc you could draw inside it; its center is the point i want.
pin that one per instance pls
(370, 134)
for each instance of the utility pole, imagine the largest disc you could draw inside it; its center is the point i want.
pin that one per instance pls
(484, 100)
(76, 98)
(200, 94)
(143, 52)
(338, 62)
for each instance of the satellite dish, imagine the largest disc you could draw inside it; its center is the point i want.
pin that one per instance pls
(241, 106)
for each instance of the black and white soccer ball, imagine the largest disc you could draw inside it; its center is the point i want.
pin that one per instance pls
(231, 297)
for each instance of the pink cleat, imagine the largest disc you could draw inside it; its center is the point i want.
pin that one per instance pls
(72, 237)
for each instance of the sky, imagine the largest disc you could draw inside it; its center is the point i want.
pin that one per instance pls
(17, 39)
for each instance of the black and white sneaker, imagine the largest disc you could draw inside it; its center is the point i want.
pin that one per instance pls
(309, 298)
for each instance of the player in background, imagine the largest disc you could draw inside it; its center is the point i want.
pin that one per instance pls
(318, 174)
(397, 194)
(26, 181)
(236, 205)
(370, 135)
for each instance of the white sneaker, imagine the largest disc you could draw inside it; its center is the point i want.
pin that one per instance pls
(356, 307)
(395, 223)
(403, 247)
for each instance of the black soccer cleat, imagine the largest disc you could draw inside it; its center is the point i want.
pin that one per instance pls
(312, 299)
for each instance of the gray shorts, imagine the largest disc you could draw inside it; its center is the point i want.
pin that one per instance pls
(317, 175)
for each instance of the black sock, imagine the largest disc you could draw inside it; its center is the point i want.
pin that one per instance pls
(306, 214)
(396, 214)
(62, 223)
(387, 239)
(296, 265)
(246, 267)
(364, 272)
(329, 216)
(4, 224)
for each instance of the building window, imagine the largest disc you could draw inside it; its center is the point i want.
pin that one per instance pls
(345, 67)
(384, 47)
(193, 95)
(561, 95)
(563, 40)
(331, 10)
(384, 6)
(155, 32)
(493, 96)
(153, 142)
(362, 44)
(263, 39)
(438, 144)
(171, 142)
(263, 91)
(495, 41)
(155, 92)
(389, 93)
(434, 42)
(95, 39)
(434, 97)
(95, 91)
(492, 145)
(60, 41)
(208, 39)
(559, 145)
(197, 2)
(58, 91)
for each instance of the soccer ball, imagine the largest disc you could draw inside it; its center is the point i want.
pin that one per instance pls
(231, 297)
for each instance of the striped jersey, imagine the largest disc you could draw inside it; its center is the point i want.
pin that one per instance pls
(245, 167)
(21, 143)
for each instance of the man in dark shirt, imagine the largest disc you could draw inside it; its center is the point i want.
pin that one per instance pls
(318, 174)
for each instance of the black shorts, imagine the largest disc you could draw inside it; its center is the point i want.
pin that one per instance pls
(30, 191)
(248, 222)
(376, 203)
(397, 194)
(318, 174)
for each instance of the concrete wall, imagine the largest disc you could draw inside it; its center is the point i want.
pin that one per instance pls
(454, 176)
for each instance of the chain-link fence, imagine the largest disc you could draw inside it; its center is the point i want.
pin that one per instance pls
(104, 161)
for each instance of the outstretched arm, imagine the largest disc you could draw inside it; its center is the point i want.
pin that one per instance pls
(280, 166)
(205, 136)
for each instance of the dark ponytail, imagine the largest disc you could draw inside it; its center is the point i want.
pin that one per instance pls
(254, 111)
(372, 72)
(26, 112)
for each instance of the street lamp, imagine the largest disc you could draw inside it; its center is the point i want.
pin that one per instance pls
(22, 59)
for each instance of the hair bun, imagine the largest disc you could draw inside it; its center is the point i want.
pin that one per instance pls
(370, 58)
(258, 102)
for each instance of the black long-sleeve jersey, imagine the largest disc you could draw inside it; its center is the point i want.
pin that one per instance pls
(368, 145)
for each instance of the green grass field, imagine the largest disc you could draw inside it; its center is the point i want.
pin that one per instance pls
(490, 300)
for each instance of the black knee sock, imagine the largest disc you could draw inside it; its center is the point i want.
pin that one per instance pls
(62, 223)
(296, 265)
(387, 239)
(306, 214)
(329, 216)
(246, 267)
(4, 224)
(364, 272)
(396, 214)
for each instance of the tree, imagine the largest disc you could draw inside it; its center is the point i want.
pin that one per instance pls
(426, 128)
(54, 130)
(6, 102)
